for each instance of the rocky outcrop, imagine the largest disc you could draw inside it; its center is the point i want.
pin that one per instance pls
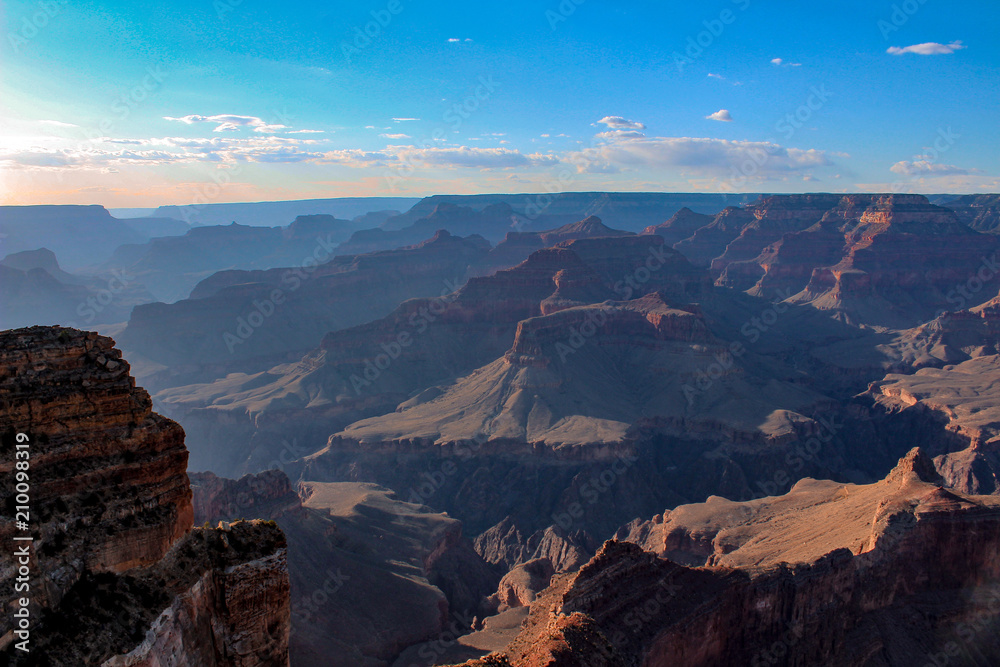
(267, 495)
(786, 583)
(108, 485)
(681, 225)
(114, 568)
(958, 404)
(739, 234)
(370, 574)
(518, 246)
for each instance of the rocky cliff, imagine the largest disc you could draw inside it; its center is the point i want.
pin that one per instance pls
(898, 572)
(110, 515)
(251, 320)
(370, 573)
(373, 368)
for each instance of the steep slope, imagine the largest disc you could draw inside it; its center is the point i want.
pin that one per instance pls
(81, 236)
(252, 320)
(879, 280)
(35, 290)
(891, 573)
(370, 574)
(681, 225)
(980, 212)
(517, 246)
(114, 567)
(173, 265)
(959, 403)
(741, 233)
(372, 368)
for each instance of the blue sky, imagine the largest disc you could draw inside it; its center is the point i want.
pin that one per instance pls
(119, 104)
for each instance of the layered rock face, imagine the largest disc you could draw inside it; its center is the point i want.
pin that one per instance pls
(518, 246)
(612, 407)
(829, 574)
(370, 573)
(857, 260)
(680, 226)
(372, 368)
(110, 515)
(34, 289)
(251, 320)
(956, 405)
(100, 456)
(739, 234)
(980, 212)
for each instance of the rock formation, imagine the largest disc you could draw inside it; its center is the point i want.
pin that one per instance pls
(249, 321)
(828, 574)
(115, 568)
(370, 573)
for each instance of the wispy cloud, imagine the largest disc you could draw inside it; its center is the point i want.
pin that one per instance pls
(56, 123)
(925, 168)
(307, 132)
(454, 40)
(927, 49)
(229, 122)
(715, 158)
(395, 136)
(404, 120)
(722, 115)
(779, 62)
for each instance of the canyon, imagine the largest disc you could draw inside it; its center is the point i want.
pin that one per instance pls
(760, 434)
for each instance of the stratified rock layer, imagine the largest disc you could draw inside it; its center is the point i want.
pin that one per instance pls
(893, 573)
(114, 567)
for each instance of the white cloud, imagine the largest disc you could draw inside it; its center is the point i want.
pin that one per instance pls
(927, 49)
(56, 123)
(395, 136)
(779, 62)
(307, 132)
(926, 168)
(403, 120)
(228, 122)
(722, 115)
(619, 123)
(456, 39)
(703, 156)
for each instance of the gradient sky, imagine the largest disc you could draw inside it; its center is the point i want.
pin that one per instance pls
(133, 104)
